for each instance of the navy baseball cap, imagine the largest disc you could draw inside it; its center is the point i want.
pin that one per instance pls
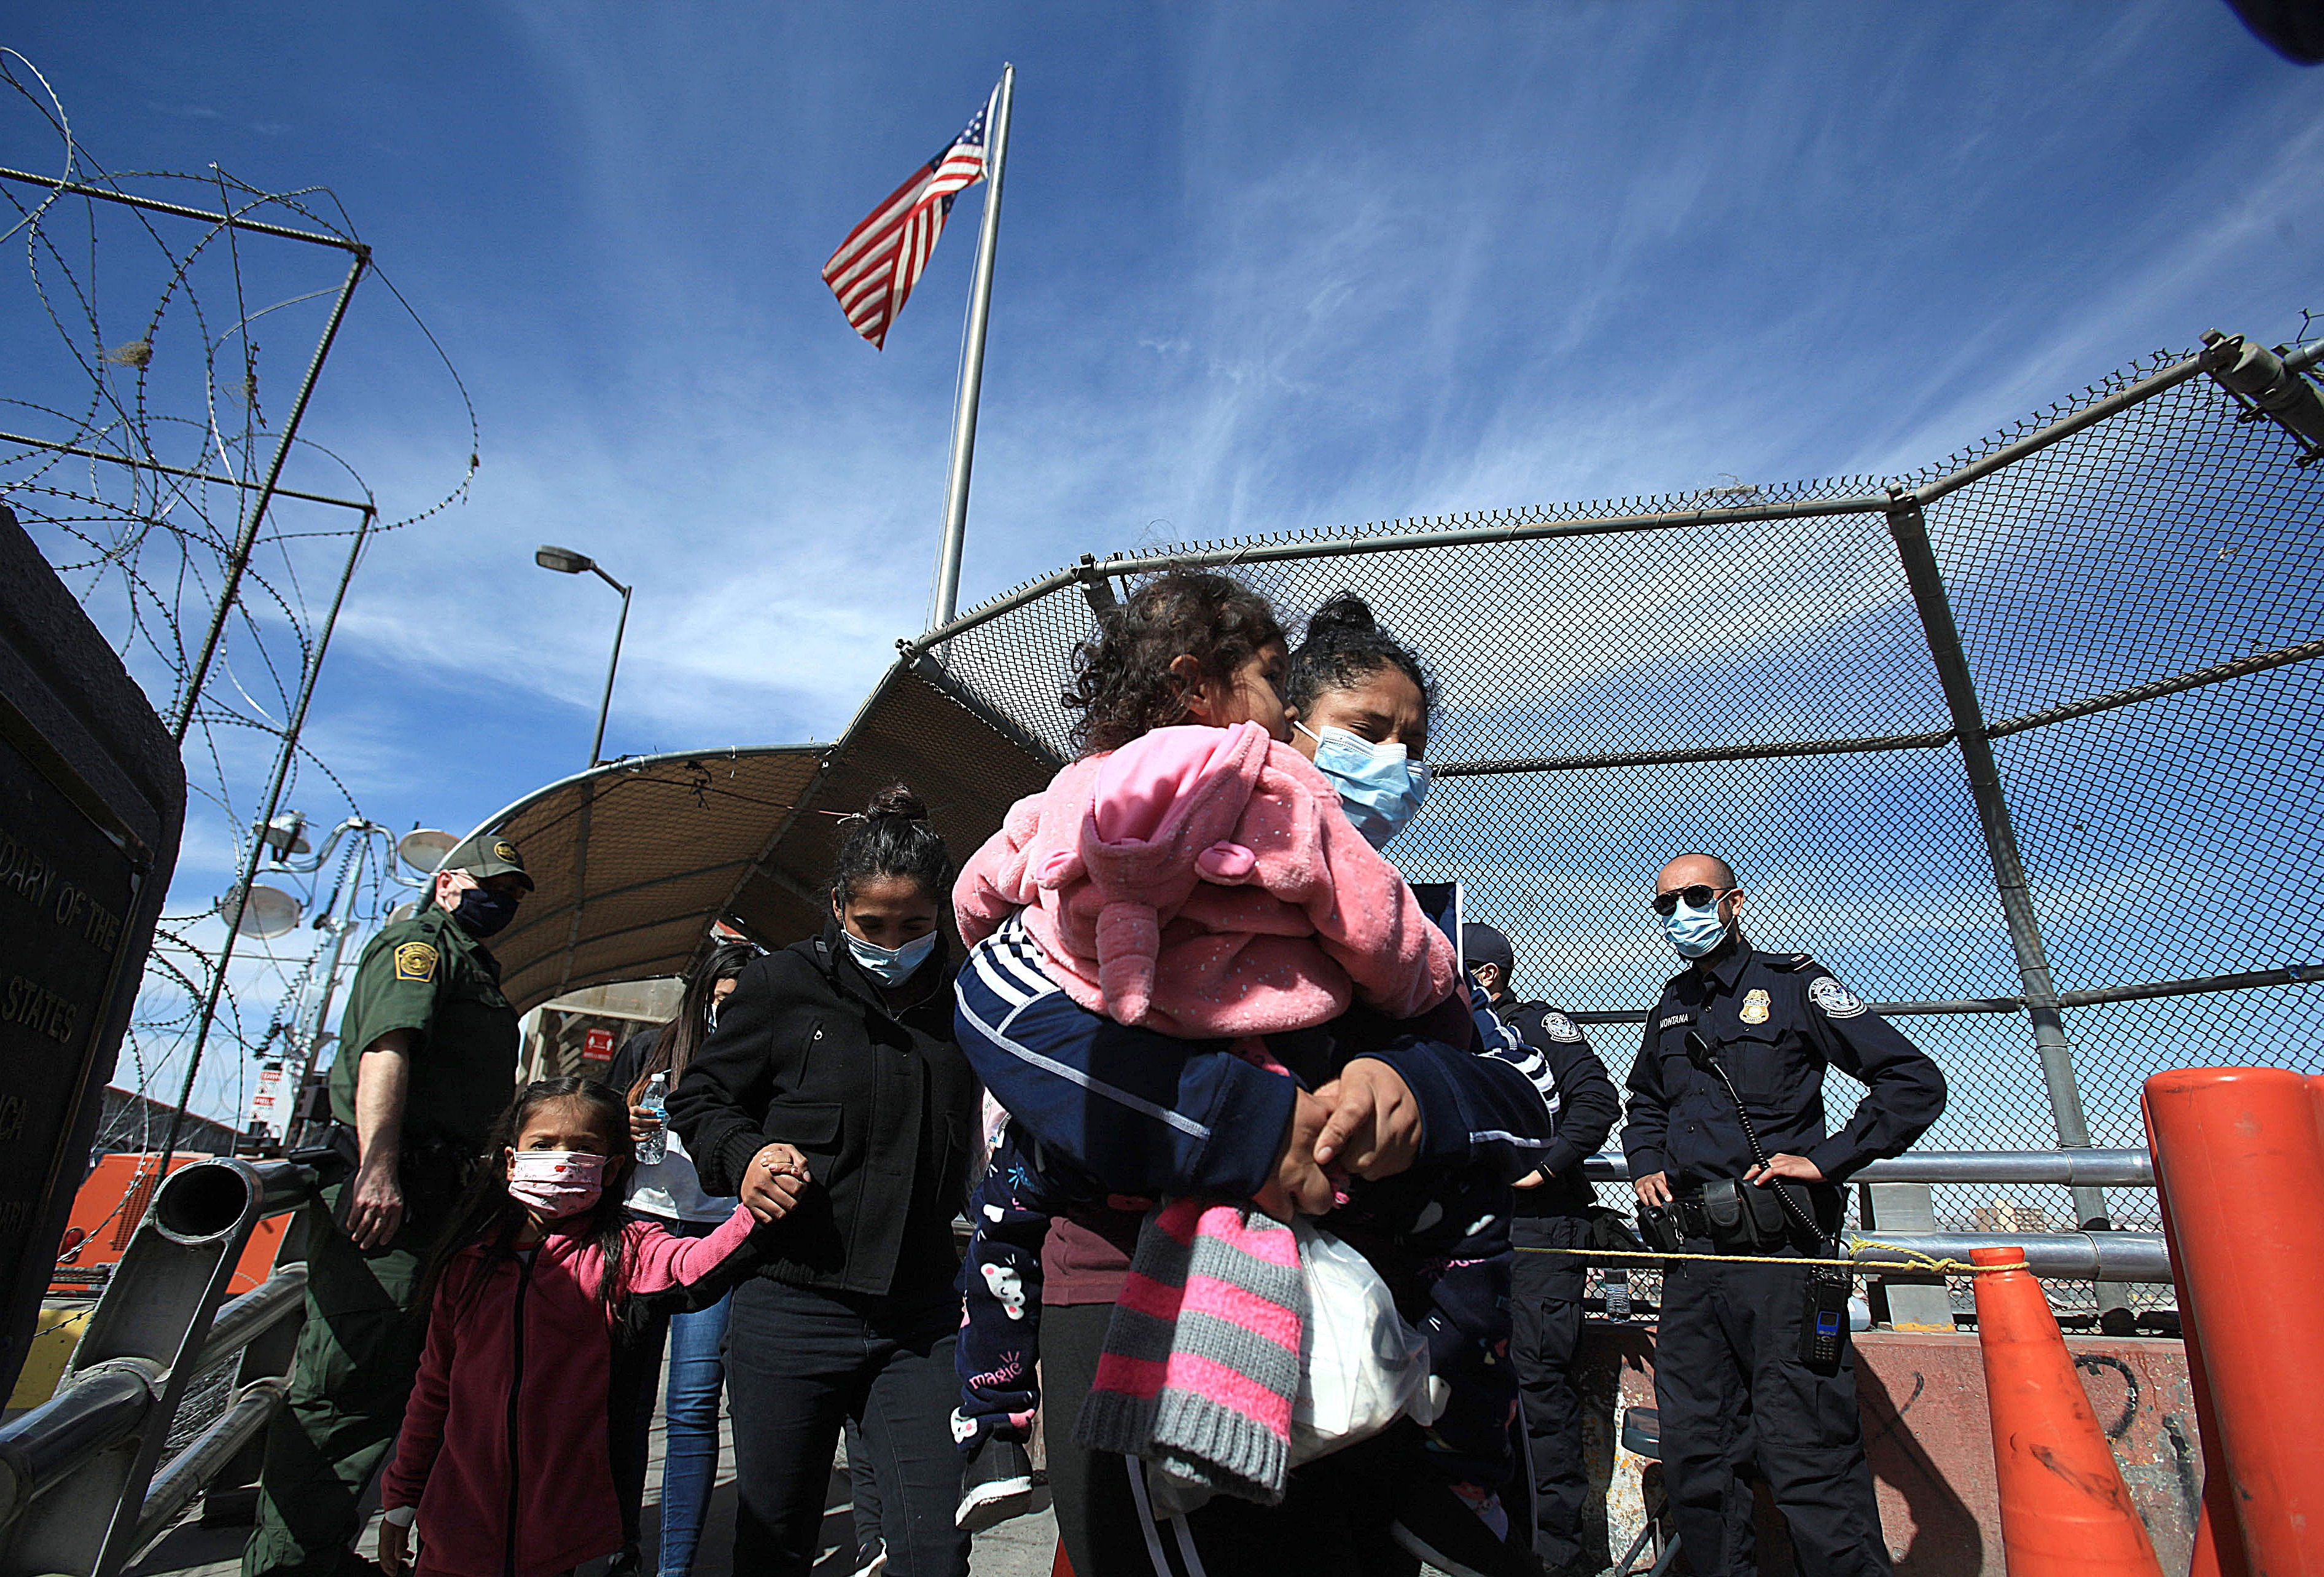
(1485, 945)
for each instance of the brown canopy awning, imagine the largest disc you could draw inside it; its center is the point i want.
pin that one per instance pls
(634, 861)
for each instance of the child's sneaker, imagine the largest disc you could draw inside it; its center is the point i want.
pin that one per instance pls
(996, 1485)
(1461, 1529)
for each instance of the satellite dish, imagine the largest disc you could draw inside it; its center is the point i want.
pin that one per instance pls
(402, 911)
(425, 849)
(268, 912)
(286, 834)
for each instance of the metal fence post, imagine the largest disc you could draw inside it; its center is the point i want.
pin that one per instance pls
(1911, 532)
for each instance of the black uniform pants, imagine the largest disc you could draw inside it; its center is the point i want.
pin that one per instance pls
(1545, 1310)
(1737, 1402)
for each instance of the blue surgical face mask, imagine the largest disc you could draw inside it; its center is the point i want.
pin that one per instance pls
(892, 965)
(1380, 785)
(1695, 931)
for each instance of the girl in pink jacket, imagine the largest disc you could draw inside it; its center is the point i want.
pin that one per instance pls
(501, 1462)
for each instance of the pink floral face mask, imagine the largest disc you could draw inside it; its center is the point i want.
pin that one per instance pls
(557, 1183)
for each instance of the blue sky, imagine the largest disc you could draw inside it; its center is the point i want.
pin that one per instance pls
(1262, 268)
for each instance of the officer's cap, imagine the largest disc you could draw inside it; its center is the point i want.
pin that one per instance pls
(1485, 945)
(488, 854)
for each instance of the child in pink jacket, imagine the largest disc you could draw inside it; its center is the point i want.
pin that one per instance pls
(502, 1461)
(1202, 883)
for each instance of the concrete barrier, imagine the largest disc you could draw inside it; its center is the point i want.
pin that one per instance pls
(1925, 1428)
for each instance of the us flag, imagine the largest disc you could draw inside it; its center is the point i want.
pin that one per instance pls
(875, 269)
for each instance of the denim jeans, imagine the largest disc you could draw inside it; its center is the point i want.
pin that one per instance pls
(798, 1363)
(690, 1465)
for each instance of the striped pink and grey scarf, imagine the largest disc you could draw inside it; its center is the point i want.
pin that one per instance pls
(1201, 1364)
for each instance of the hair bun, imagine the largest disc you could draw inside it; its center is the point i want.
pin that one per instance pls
(897, 800)
(1343, 611)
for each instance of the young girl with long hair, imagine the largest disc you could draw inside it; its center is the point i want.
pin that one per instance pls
(501, 1464)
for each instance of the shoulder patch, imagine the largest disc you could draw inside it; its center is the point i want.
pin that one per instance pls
(1788, 963)
(1556, 1026)
(1835, 1000)
(415, 961)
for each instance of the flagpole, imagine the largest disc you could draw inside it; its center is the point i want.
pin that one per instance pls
(972, 361)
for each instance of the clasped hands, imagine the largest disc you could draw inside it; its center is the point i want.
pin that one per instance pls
(1655, 1188)
(1364, 1123)
(773, 1181)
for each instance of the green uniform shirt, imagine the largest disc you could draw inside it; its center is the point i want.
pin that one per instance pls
(427, 975)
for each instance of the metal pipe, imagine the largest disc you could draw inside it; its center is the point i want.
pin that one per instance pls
(190, 1471)
(208, 477)
(2090, 415)
(1911, 532)
(621, 628)
(43, 1447)
(252, 1315)
(1519, 527)
(2259, 662)
(972, 359)
(238, 560)
(156, 206)
(2108, 1168)
(282, 759)
(2069, 1256)
(2137, 991)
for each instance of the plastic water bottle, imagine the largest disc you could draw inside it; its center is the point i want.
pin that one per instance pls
(657, 1102)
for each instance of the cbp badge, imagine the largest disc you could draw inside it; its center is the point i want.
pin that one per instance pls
(1755, 1007)
(1558, 1027)
(1835, 999)
(415, 961)
(505, 849)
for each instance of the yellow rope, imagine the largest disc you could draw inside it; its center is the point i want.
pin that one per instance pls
(1917, 1263)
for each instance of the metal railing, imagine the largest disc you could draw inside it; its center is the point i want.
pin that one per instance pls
(87, 1480)
(1898, 1191)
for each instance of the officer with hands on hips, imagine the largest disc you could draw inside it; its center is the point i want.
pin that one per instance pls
(1550, 1210)
(427, 1053)
(1730, 1378)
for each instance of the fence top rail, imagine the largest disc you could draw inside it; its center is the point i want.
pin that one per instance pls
(2080, 1168)
(183, 211)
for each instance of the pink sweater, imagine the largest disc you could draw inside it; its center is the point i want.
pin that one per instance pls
(512, 1387)
(1203, 882)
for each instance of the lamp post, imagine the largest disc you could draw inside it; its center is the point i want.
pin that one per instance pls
(565, 561)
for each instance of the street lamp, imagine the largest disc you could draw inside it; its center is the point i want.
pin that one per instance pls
(565, 561)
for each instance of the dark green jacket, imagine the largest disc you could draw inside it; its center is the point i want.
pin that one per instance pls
(427, 975)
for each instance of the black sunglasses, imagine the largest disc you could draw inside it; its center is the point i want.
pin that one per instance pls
(1666, 903)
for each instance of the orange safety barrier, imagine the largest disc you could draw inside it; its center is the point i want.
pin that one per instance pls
(2065, 1510)
(2239, 1159)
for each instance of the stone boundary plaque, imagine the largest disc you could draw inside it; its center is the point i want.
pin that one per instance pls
(92, 800)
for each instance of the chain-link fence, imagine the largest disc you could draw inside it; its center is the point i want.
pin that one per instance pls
(2132, 585)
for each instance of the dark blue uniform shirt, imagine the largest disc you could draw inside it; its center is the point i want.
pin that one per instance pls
(1774, 1022)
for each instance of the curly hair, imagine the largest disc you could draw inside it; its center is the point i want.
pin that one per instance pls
(1344, 646)
(1122, 684)
(892, 837)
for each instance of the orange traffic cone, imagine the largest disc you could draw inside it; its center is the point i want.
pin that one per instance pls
(1059, 1566)
(2064, 1508)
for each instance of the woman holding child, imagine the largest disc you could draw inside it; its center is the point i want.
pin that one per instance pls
(1191, 977)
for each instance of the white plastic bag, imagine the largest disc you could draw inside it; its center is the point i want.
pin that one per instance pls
(1362, 1367)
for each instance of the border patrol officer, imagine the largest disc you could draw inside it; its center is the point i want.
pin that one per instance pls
(1550, 1211)
(427, 1061)
(1728, 1376)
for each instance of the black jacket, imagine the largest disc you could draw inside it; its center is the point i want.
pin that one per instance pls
(1774, 1021)
(1587, 1107)
(879, 1100)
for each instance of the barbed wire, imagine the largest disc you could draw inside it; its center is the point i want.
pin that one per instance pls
(141, 378)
